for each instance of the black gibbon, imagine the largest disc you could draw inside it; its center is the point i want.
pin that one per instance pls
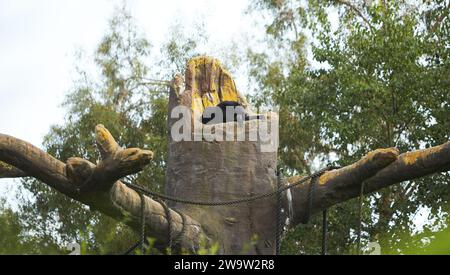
(238, 113)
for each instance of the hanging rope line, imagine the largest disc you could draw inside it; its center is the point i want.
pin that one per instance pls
(132, 248)
(170, 242)
(142, 223)
(169, 225)
(279, 228)
(311, 193)
(324, 232)
(179, 238)
(162, 197)
(360, 205)
(312, 189)
(141, 241)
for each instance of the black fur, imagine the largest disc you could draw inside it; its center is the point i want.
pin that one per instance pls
(239, 113)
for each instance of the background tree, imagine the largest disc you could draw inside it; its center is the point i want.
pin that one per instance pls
(119, 90)
(117, 87)
(16, 239)
(378, 78)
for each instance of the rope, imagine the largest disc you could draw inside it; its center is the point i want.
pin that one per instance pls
(360, 204)
(170, 240)
(280, 188)
(142, 223)
(311, 192)
(279, 221)
(169, 225)
(148, 192)
(141, 241)
(132, 248)
(324, 232)
(179, 238)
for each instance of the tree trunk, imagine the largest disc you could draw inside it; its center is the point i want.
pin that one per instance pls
(221, 170)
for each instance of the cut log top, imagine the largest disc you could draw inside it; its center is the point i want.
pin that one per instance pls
(207, 84)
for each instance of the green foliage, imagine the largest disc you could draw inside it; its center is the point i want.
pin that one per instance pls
(379, 79)
(179, 48)
(15, 239)
(118, 91)
(205, 249)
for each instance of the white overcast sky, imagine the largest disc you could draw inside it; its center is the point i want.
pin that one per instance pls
(38, 40)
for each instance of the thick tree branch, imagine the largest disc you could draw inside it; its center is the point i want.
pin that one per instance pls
(379, 169)
(8, 171)
(98, 186)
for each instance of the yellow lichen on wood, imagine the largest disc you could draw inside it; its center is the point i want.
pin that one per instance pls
(381, 156)
(209, 84)
(210, 100)
(293, 179)
(412, 157)
(4, 167)
(228, 88)
(105, 140)
(388, 154)
(9, 171)
(327, 176)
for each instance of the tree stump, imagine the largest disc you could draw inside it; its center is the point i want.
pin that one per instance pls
(221, 170)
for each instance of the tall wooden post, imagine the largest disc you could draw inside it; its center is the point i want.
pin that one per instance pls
(221, 170)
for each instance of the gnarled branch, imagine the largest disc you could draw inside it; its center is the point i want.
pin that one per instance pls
(8, 171)
(379, 169)
(98, 186)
